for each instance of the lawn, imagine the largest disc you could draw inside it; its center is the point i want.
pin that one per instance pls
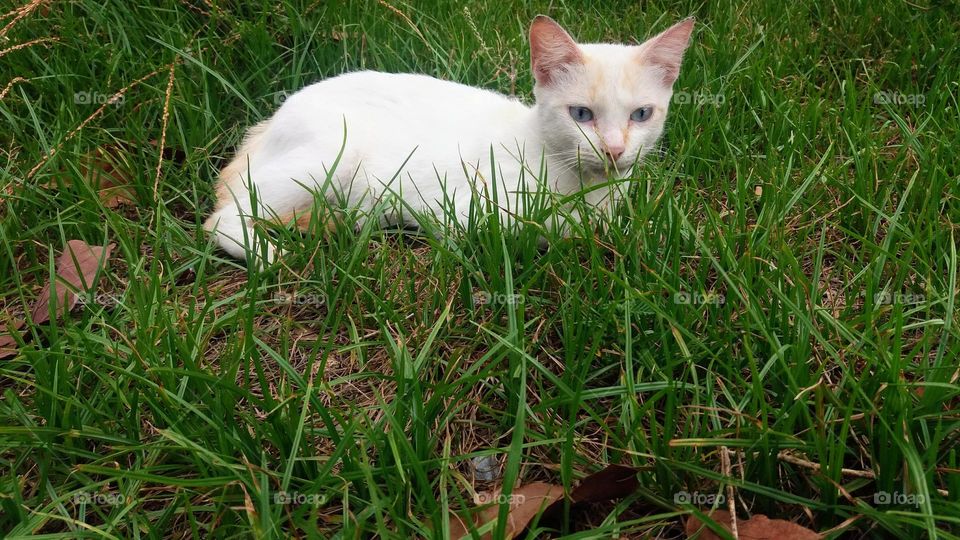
(768, 325)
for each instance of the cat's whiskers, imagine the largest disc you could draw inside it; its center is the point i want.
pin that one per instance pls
(566, 159)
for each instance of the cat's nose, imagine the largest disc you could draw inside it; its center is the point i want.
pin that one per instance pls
(614, 152)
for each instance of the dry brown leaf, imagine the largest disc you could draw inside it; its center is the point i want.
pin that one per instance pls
(76, 268)
(248, 506)
(759, 527)
(614, 482)
(168, 153)
(104, 169)
(525, 503)
(8, 344)
(107, 170)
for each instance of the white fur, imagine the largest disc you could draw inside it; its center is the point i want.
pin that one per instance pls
(374, 122)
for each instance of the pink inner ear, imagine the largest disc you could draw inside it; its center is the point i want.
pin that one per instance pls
(551, 50)
(669, 71)
(666, 50)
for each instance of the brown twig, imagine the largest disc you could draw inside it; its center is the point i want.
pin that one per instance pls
(731, 503)
(119, 94)
(27, 44)
(794, 460)
(163, 129)
(410, 22)
(10, 84)
(22, 12)
(783, 455)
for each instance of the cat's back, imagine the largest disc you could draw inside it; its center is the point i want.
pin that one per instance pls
(397, 100)
(397, 88)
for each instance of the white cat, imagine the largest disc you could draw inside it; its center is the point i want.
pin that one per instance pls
(367, 136)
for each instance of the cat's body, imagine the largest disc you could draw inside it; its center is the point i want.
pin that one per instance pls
(429, 141)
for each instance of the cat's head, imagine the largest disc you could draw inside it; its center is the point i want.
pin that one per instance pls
(604, 104)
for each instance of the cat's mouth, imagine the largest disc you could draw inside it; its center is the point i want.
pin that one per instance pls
(592, 164)
(605, 166)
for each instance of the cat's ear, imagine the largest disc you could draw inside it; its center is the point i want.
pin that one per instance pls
(552, 49)
(665, 50)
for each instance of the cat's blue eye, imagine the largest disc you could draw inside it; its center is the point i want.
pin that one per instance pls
(642, 114)
(581, 114)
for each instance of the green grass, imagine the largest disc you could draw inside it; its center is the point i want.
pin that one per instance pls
(782, 282)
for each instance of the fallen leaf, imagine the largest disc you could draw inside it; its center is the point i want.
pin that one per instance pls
(106, 172)
(107, 169)
(168, 153)
(108, 175)
(525, 503)
(76, 268)
(8, 344)
(759, 527)
(614, 482)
